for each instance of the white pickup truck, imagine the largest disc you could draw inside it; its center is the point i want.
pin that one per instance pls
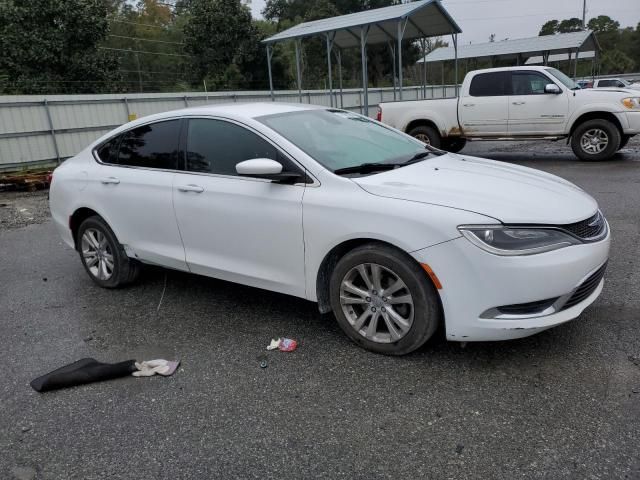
(522, 103)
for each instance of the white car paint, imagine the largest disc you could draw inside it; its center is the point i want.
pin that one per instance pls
(512, 116)
(275, 236)
(617, 83)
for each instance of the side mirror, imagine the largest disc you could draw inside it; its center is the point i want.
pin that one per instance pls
(552, 88)
(268, 169)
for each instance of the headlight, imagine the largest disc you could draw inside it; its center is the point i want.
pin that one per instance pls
(632, 103)
(502, 240)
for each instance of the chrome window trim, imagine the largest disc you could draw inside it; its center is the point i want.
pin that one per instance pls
(315, 181)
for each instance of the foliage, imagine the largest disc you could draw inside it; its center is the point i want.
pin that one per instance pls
(51, 46)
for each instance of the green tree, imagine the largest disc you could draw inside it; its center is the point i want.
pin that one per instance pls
(602, 24)
(216, 34)
(570, 25)
(51, 46)
(550, 28)
(615, 61)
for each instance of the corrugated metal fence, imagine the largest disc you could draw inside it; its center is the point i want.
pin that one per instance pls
(39, 130)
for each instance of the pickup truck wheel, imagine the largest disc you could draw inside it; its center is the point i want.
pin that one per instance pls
(426, 135)
(625, 140)
(596, 140)
(454, 145)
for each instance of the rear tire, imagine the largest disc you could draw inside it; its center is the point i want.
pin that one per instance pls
(393, 308)
(454, 145)
(102, 256)
(426, 134)
(596, 140)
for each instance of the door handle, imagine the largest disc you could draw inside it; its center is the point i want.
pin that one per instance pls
(518, 103)
(191, 188)
(468, 104)
(110, 181)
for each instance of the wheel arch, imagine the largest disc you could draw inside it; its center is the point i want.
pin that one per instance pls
(330, 260)
(599, 115)
(79, 216)
(422, 122)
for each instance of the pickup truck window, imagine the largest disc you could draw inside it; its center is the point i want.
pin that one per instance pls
(492, 84)
(566, 81)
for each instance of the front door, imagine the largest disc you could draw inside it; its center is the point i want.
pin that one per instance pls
(531, 110)
(240, 229)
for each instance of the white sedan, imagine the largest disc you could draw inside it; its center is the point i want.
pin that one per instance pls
(394, 237)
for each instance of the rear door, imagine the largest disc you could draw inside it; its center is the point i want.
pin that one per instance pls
(483, 110)
(132, 188)
(531, 110)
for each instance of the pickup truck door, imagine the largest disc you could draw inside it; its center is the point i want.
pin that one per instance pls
(483, 109)
(533, 112)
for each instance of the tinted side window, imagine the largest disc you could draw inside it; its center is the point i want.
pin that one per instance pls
(488, 85)
(108, 152)
(606, 83)
(528, 83)
(153, 146)
(216, 146)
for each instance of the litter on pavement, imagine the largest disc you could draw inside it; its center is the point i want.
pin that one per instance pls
(89, 370)
(283, 344)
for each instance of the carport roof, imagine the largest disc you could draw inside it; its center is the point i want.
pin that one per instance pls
(425, 18)
(527, 47)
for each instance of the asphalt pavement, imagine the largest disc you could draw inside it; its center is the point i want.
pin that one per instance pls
(562, 404)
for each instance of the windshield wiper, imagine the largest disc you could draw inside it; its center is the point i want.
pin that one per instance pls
(381, 167)
(367, 168)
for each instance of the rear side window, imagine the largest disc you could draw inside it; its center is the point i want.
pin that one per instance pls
(108, 152)
(216, 146)
(491, 84)
(607, 83)
(152, 146)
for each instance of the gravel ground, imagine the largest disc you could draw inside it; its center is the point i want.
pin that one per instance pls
(19, 209)
(564, 404)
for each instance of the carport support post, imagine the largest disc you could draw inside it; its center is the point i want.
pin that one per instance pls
(339, 54)
(392, 49)
(455, 48)
(364, 33)
(423, 44)
(269, 57)
(329, 48)
(402, 25)
(298, 73)
(575, 64)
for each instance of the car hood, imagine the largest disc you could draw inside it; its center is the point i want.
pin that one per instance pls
(508, 193)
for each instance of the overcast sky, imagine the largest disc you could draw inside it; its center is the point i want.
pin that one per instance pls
(521, 18)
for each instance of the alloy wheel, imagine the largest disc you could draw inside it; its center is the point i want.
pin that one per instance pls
(594, 141)
(377, 303)
(423, 138)
(97, 254)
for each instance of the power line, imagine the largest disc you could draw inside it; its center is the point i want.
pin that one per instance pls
(144, 39)
(137, 23)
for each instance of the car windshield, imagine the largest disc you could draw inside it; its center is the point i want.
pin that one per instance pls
(566, 81)
(338, 139)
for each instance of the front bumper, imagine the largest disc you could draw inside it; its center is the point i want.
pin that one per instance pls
(475, 282)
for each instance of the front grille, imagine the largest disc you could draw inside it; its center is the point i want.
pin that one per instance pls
(586, 288)
(530, 308)
(589, 229)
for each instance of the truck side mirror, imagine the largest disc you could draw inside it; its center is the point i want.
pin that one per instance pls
(552, 88)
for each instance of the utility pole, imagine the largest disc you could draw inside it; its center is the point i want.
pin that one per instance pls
(584, 14)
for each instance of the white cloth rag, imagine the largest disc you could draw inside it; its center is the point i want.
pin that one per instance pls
(152, 367)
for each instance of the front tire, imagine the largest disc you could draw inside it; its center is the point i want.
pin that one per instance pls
(625, 140)
(102, 256)
(426, 134)
(383, 300)
(595, 140)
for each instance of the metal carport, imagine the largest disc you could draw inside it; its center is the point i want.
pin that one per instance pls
(392, 25)
(521, 49)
